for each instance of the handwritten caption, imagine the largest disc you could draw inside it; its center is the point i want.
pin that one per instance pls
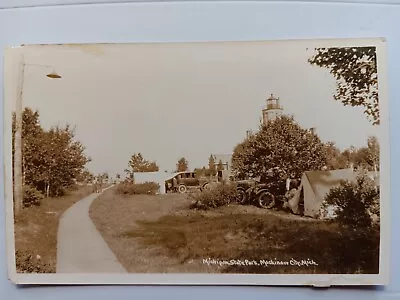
(261, 262)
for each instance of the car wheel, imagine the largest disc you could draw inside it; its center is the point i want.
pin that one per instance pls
(266, 200)
(182, 189)
(241, 196)
(205, 187)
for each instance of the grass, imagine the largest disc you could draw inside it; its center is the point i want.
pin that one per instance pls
(36, 232)
(149, 188)
(160, 234)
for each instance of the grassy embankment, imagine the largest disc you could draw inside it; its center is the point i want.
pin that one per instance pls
(160, 234)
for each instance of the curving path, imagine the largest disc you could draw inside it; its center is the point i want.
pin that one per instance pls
(80, 247)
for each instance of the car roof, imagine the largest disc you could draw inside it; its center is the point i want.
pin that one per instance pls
(177, 173)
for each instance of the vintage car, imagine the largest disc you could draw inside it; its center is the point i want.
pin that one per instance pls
(266, 191)
(181, 181)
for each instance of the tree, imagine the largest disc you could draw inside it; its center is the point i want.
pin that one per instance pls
(204, 170)
(282, 144)
(220, 166)
(355, 71)
(52, 160)
(63, 160)
(348, 157)
(85, 176)
(129, 173)
(366, 157)
(105, 177)
(334, 159)
(211, 166)
(182, 165)
(200, 172)
(32, 136)
(138, 164)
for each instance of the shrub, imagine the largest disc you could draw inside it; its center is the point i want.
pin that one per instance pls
(32, 196)
(221, 195)
(127, 188)
(354, 203)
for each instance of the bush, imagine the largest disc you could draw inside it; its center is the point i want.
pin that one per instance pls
(127, 188)
(32, 197)
(354, 203)
(221, 195)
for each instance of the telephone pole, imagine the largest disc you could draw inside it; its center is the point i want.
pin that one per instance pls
(18, 145)
(18, 188)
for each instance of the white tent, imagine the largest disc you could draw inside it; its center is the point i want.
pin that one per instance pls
(315, 185)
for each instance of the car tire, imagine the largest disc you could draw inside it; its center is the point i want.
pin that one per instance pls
(266, 200)
(205, 186)
(182, 189)
(241, 196)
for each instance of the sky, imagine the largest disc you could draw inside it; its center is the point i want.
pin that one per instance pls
(181, 100)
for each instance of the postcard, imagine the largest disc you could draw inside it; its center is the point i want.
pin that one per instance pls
(201, 163)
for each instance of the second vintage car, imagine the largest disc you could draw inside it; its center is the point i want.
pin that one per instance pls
(180, 182)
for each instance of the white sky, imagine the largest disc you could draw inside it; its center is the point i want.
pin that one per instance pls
(174, 100)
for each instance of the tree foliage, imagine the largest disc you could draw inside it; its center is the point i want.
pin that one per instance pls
(52, 159)
(182, 165)
(281, 143)
(355, 71)
(64, 159)
(334, 158)
(85, 176)
(102, 177)
(137, 163)
(366, 158)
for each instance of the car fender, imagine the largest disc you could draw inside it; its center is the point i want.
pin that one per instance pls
(263, 190)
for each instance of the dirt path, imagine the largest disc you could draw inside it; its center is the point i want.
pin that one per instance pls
(80, 247)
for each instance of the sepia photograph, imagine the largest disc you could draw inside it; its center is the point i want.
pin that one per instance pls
(259, 162)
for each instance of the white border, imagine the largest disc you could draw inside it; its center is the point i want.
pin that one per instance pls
(11, 57)
(36, 3)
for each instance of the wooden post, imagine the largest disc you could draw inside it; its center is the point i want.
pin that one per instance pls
(18, 186)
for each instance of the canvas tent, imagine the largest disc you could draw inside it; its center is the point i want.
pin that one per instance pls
(314, 186)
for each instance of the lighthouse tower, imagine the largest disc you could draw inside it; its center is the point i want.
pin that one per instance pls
(272, 110)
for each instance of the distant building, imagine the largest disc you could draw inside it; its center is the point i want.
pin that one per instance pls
(272, 110)
(226, 160)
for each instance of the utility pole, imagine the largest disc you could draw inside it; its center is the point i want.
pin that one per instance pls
(18, 145)
(18, 187)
